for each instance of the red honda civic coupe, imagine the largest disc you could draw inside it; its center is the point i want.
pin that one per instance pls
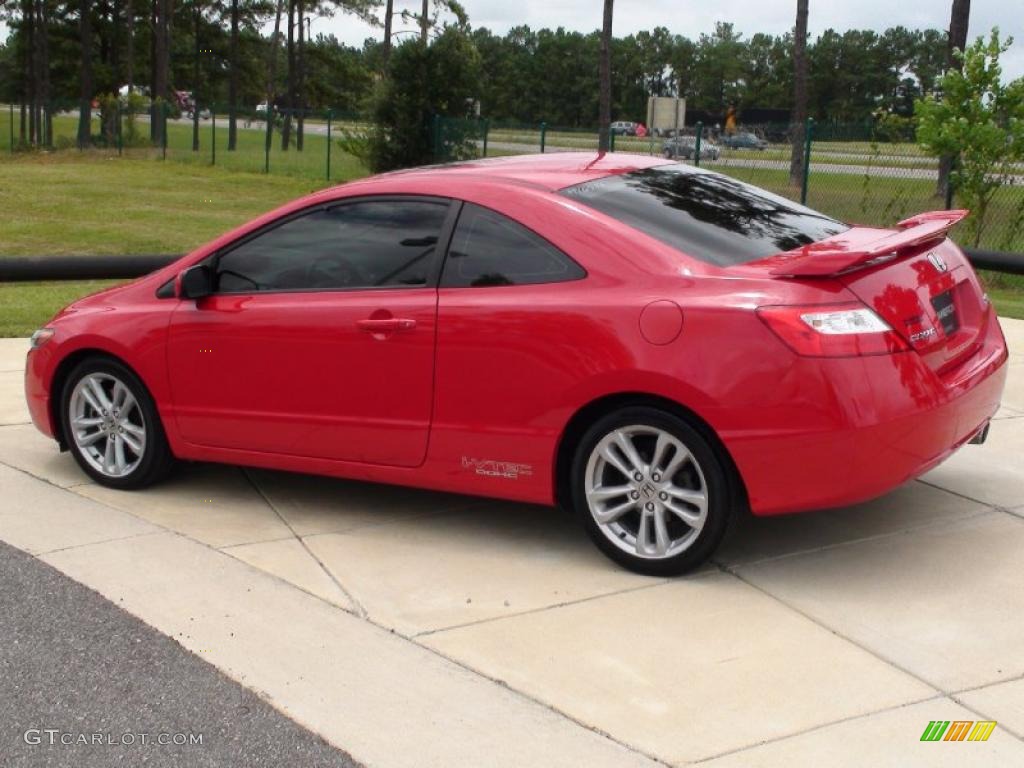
(655, 346)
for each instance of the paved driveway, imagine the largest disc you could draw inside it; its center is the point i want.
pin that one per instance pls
(417, 628)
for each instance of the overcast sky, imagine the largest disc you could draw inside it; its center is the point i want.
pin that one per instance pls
(691, 19)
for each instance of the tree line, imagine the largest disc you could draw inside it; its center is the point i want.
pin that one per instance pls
(551, 74)
(60, 52)
(77, 51)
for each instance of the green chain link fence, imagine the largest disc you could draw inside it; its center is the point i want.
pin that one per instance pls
(202, 137)
(860, 173)
(872, 174)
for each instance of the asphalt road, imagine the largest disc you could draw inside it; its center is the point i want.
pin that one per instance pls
(74, 664)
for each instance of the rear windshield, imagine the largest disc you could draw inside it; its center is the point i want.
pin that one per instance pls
(705, 215)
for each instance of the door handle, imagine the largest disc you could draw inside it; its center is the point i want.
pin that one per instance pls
(386, 325)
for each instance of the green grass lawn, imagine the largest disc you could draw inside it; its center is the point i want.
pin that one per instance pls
(1009, 302)
(71, 203)
(24, 307)
(95, 203)
(87, 203)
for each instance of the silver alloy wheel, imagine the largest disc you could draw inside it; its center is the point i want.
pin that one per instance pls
(646, 492)
(107, 425)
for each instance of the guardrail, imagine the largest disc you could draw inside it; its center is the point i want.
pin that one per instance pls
(39, 268)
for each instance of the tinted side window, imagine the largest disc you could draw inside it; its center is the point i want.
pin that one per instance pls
(366, 244)
(491, 249)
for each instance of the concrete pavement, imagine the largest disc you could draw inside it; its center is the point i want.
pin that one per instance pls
(415, 628)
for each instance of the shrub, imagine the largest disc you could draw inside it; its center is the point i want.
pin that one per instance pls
(979, 121)
(422, 81)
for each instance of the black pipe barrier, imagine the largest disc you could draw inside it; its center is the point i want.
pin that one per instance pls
(20, 269)
(37, 268)
(996, 261)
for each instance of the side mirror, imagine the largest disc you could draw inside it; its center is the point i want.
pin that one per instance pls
(196, 282)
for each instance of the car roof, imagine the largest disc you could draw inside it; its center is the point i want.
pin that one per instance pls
(550, 171)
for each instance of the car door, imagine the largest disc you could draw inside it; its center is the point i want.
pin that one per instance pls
(319, 338)
(515, 328)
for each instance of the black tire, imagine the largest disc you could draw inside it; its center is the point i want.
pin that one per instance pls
(156, 460)
(715, 477)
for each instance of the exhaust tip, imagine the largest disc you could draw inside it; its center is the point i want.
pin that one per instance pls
(980, 436)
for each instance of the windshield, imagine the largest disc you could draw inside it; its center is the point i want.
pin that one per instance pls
(706, 215)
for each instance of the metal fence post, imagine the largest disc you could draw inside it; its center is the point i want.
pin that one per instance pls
(270, 137)
(330, 114)
(11, 110)
(543, 135)
(195, 125)
(949, 184)
(611, 140)
(120, 138)
(487, 130)
(166, 108)
(696, 143)
(808, 131)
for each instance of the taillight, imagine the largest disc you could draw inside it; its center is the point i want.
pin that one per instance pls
(832, 330)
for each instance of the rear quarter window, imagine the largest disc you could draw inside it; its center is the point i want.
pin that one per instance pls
(489, 249)
(706, 215)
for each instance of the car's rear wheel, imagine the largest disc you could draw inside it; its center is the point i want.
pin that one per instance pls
(650, 491)
(111, 425)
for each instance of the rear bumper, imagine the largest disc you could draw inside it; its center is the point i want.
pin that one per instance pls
(892, 420)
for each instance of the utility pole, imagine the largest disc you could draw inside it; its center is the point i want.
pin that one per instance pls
(960, 17)
(798, 123)
(389, 12)
(605, 85)
(130, 53)
(85, 75)
(303, 37)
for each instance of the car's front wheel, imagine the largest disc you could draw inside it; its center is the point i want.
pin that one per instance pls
(650, 491)
(111, 425)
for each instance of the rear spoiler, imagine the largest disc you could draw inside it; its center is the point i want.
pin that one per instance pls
(832, 256)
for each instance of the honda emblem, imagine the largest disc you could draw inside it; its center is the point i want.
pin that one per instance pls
(937, 262)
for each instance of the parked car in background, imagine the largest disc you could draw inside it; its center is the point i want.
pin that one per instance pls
(685, 147)
(623, 128)
(744, 140)
(776, 134)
